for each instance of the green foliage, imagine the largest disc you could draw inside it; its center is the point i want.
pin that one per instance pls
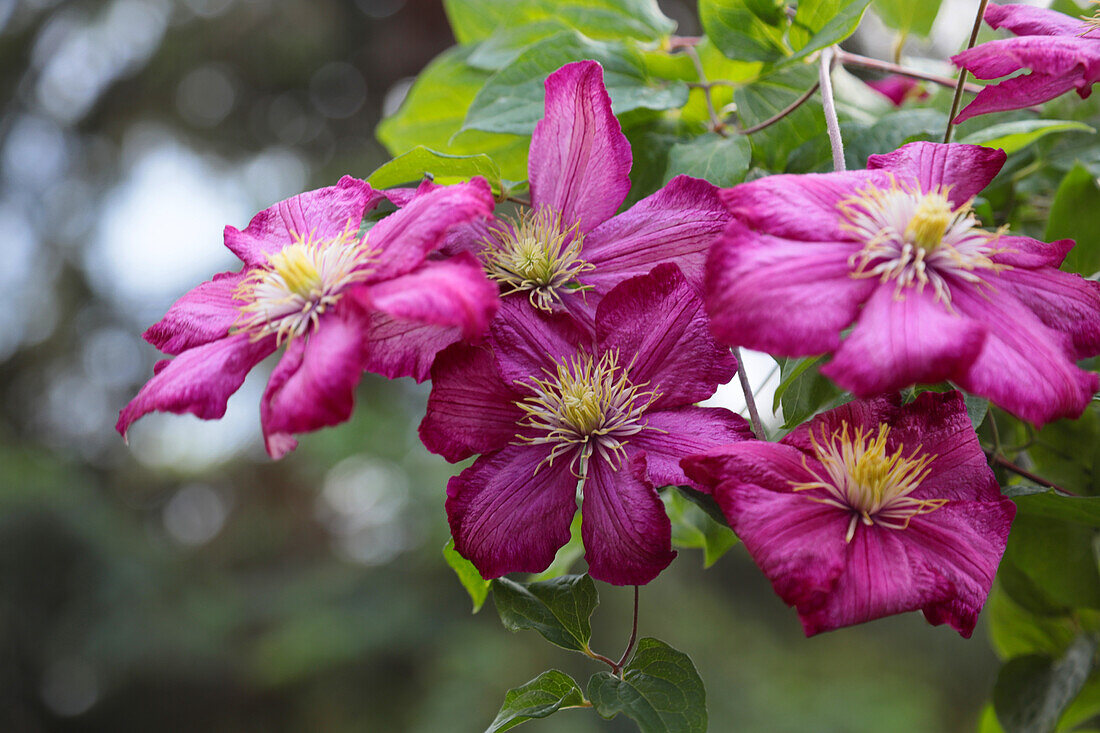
(567, 554)
(545, 695)
(693, 528)
(803, 391)
(422, 162)
(821, 23)
(1012, 137)
(659, 690)
(1075, 214)
(764, 98)
(721, 160)
(476, 20)
(1032, 691)
(907, 16)
(467, 574)
(559, 609)
(1058, 558)
(1038, 501)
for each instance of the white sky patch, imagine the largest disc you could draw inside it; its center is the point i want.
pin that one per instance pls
(764, 378)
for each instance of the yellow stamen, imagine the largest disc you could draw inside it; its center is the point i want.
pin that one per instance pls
(930, 222)
(296, 267)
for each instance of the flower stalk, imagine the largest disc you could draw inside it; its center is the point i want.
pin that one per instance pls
(962, 73)
(831, 122)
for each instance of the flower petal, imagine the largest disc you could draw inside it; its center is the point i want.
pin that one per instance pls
(509, 514)
(1020, 92)
(398, 348)
(627, 535)
(199, 380)
(964, 169)
(902, 339)
(1063, 301)
(790, 298)
(657, 320)
(685, 431)
(867, 414)
(527, 341)
(1029, 253)
(1025, 20)
(580, 160)
(203, 315)
(471, 409)
(772, 466)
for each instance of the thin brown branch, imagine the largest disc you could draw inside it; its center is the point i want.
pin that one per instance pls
(866, 62)
(781, 114)
(633, 632)
(1023, 472)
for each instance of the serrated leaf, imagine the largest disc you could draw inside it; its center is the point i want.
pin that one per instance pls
(721, 160)
(1032, 691)
(1013, 137)
(543, 696)
(467, 574)
(659, 690)
(1075, 214)
(559, 609)
(413, 166)
(821, 23)
(907, 16)
(746, 30)
(476, 20)
(512, 100)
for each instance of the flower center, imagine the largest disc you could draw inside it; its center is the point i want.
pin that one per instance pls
(536, 255)
(862, 478)
(918, 239)
(293, 289)
(585, 403)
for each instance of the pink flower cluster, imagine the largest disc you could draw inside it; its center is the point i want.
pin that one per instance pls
(569, 347)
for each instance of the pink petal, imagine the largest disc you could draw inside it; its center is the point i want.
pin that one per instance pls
(580, 160)
(527, 341)
(790, 298)
(398, 348)
(964, 169)
(1031, 253)
(1063, 301)
(627, 535)
(199, 381)
(657, 322)
(772, 466)
(471, 409)
(682, 432)
(1025, 20)
(867, 414)
(313, 385)
(322, 214)
(898, 89)
(1048, 57)
(676, 224)
(902, 339)
(1019, 92)
(509, 514)
(203, 315)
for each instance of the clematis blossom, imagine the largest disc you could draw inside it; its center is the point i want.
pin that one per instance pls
(897, 250)
(1061, 52)
(555, 410)
(340, 302)
(868, 510)
(898, 89)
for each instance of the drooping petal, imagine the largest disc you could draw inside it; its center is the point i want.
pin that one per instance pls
(313, 385)
(904, 338)
(964, 169)
(790, 298)
(1053, 57)
(509, 514)
(682, 432)
(627, 535)
(1019, 92)
(1017, 251)
(471, 409)
(1063, 301)
(199, 381)
(772, 466)
(398, 348)
(676, 224)
(322, 214)
(203, 315)
(657, 320)
(405, 238)
(580, 160)
(528, 341)
(1027, 20)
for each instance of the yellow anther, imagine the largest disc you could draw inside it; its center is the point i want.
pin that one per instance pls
(295, 265)
(930, 221)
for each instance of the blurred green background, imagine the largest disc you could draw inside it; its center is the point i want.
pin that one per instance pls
(185, 582)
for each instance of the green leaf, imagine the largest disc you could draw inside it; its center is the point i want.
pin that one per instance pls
(767, 96)
(693, 528)
(721, 160)
(512, 100)
(746, 30)
(907, 16)
(471, 579)
(545, 695)
(1065, 452)
(413, 166)
(1015, 631)
(821, 23)
(476, 20)
(976, 409)
(1057, 557)
(1075, 214)
(502, 48)
(1039, 501)
(1032, 691)
(567, 554)
(803, 392)
(559, 609)
(659, 690)
(1013, 137)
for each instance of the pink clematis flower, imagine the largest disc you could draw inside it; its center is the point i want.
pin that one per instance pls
(571, 248)
(898, 250)
(554, 410)
(340, 302)
(868, 510)
(898, 89)
(1062, 53)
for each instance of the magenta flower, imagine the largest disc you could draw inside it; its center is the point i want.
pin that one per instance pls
(868, 510)
(897, 249)
(898, 89)
(554, 411)
(570, 248)
(340, 302)
(1061, 52)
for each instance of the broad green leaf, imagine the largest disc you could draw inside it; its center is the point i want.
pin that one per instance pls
(1075, 214)
(1013, 137)
(723, 161)
(1039, 501)
(908, 16)
(1065, 452)
(434, 110)
(502, 48)
(803, 391)
(1032, 691)
(976, 409)
(693, 528)
(1016, 631)
(476, 20)
(767, 96)
(746, 30)
(659, 690)
(512, 100)
(567, 554)
(1057, 557)
(545, 695)
(421, 162)
(471, 579)
(821, 23)
(559, 609)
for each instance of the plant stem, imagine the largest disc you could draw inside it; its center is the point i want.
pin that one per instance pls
(962, 72)
(633, 632)
(1012, 467)
(781, 114)
(601, 658)
(750, 401)
(831, 123)
(866, 62)
(716, 123)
